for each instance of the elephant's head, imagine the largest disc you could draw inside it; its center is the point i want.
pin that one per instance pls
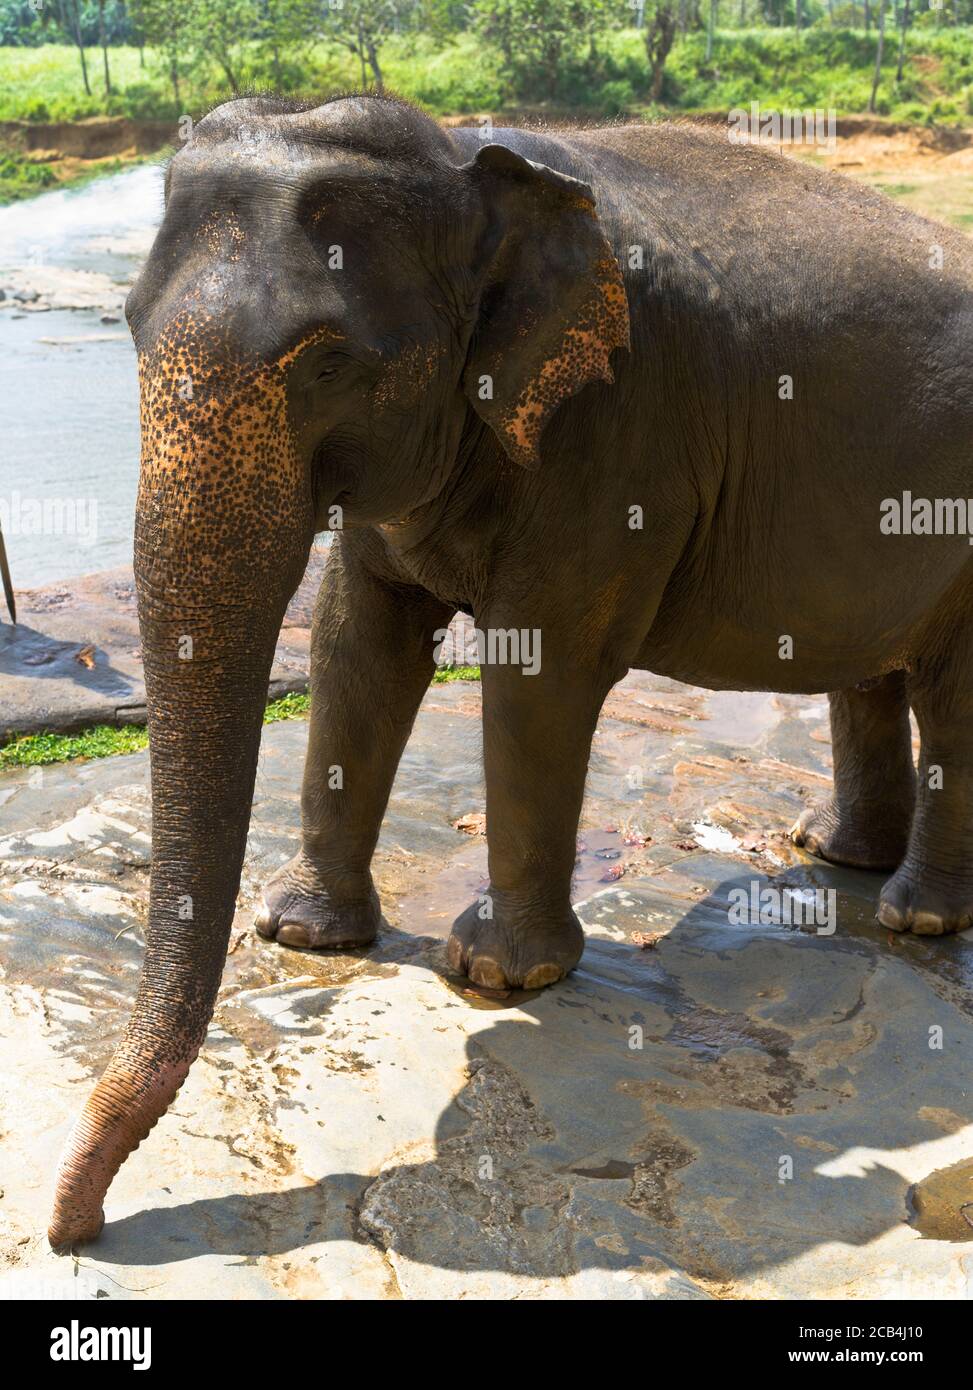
(331, 293)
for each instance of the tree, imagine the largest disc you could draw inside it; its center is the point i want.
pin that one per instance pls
(220, 30)
(878, 56)
(165, 25)
(104, 45)
(904, 29)
(282, 26)
(362, 26)
(69, 14)
(659, 38)
(540, 41)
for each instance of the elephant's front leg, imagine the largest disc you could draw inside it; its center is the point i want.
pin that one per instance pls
(537, 732)
(372, 658)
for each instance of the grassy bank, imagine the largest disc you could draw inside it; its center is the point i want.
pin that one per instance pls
(105, 740)
(780, 68)
(22, 176)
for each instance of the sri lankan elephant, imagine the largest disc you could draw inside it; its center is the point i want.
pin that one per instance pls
(638, 390)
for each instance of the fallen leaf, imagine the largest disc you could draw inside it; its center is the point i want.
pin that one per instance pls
(86, 657)
(472, 824)
(647, 940)
(612, 874)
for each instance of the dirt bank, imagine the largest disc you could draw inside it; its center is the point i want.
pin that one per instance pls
(103, 137)
(99, 137)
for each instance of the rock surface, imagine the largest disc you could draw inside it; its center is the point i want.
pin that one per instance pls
(727, 1110)
(46, 682)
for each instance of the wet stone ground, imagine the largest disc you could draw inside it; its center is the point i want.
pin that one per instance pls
(74, 657)
(704, 1109)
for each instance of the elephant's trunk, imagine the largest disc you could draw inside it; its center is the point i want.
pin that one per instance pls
(222, 535)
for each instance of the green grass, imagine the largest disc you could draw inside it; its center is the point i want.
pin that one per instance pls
(103, 741)
(44, 84)
(21, 177)
(822, 67)
(106, 741)
(455, 673)
(294, 706)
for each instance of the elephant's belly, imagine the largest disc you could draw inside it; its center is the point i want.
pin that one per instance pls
(725, 653)
(826, 620)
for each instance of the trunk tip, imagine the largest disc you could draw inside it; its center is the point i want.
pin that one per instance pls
(68, 1230)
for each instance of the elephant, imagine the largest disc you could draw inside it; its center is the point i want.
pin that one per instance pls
(636, 390)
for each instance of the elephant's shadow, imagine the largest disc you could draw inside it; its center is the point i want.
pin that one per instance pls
(723, 1146)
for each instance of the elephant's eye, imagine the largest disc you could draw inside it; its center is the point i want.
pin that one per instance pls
(327, 374)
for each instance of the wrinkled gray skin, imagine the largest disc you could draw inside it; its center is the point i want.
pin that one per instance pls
(466, 266)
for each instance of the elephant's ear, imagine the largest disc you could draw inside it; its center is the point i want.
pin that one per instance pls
(553, 304)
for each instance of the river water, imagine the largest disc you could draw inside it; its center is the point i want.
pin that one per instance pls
(69, 438)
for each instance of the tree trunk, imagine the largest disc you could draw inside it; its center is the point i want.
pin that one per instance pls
(74, 22)
(710, 28)
(224, 61)
(104, 45)
(904, 30)
(878, 56)
(373, 64)
(659, 38)
(360, 50)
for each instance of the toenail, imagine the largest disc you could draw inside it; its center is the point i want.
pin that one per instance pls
(542, 975)
(890, 917)
(293, 934)
(454, 954)
(264, 922)
(928, 924)
(485, 971)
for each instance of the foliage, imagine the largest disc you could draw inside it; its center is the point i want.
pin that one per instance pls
(174, 57)
(36, 750)
(105, 741)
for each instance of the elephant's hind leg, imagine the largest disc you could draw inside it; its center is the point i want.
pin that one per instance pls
(931, 892)
(866, 822)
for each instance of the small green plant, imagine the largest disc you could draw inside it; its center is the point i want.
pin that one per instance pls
(293, 706)
(103, 741)
(106, 741)
(22, 178)
(455, 673)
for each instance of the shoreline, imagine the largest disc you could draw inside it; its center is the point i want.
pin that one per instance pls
(68, 154)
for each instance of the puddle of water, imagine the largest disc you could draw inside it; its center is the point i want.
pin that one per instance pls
(941, 1205)
(612, 1170)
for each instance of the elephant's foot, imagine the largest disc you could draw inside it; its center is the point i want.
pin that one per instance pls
(875, 838)
(911, 902)
(300, 909)
(515, 947)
